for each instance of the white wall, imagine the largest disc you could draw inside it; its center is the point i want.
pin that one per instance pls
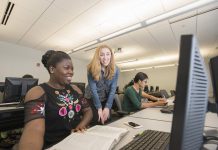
(15, 61)
(80, 70)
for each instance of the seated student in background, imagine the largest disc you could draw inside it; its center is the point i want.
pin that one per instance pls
(54, 109)
(133, 95)
(27, 76)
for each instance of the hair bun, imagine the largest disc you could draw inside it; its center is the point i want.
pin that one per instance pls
(47, 56)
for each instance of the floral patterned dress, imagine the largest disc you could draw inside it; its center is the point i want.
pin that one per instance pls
(61, 109)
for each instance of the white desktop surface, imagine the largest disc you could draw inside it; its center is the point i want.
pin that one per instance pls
(146, 123)
(154, 113)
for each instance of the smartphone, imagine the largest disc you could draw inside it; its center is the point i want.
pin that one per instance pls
(133, 125)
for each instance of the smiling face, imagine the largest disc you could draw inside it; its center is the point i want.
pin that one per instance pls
(105, 57)
(63, 72)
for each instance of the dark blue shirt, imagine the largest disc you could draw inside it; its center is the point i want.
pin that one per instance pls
(102, 90)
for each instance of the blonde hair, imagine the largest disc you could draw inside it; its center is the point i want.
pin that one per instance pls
(95, 65)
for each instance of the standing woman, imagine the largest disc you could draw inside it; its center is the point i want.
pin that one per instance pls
(54, 109)
(102, 83)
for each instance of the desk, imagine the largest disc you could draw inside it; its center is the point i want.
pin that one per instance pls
(154, 113)
(11, 118)
(147, 124)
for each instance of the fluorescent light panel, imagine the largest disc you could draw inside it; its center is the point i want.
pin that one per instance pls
(126, 61)
(85, 45)
(178, 11)
(128, 29)
(154, 67)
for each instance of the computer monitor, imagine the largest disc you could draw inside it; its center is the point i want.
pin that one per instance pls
(191, 98)
(80, 85)
(214, 79)
(16, 88)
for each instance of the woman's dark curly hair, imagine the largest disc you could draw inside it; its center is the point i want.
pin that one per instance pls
(52, 57)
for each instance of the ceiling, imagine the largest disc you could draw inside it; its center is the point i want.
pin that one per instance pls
(67, 24)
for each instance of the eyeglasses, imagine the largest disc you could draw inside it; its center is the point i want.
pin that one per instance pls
(146, 81)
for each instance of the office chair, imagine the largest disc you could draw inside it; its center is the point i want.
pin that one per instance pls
(173, 93)
(157, 89)
(119, 100)
(151, 89)
(164, 94)
(146, 90)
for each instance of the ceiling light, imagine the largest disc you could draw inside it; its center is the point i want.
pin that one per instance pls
(143, 68)
(127, 70)
(178, 11)
(120, 32)
(154, 67)
(163, 66)
(69, 52)
(126, 61)
(85, 45)
(147, 61)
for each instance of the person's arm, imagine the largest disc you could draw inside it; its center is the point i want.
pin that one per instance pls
(158, 101)
(87, 117)
(153, 104)
(33, 133)
(112, 89)
(93, 89)
(145, 95)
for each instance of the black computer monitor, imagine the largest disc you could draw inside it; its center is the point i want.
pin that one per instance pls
(16, 88)
(191, 98)
(80, 85)
(214, 78)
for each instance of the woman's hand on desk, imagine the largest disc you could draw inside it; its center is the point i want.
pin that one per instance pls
(161, 102)
(79, 129)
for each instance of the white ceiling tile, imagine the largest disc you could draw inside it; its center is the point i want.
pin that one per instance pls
(164, 37)
(207, 31)
(187, 26)
(147, 9)
(173, 4)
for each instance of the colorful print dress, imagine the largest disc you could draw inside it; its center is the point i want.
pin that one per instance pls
(61, 109)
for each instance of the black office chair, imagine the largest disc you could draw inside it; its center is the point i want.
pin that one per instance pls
(146, 90)
(119, 100)
(164, 94)
(173, 93)
(157, 89)
(151, 89)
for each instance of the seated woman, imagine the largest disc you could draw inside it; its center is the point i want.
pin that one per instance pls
(54, 109)
(133, 95)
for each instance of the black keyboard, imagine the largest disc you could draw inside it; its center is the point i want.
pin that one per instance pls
(149, 140)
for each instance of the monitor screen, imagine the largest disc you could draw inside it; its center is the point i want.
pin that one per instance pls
(80, 85)
(16, 88)
(214, 78)
(191, 98)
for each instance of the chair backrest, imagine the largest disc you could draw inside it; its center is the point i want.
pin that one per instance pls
(119, 101)
(157, 89)
(172, 92)
(151, 89)
(164, 94)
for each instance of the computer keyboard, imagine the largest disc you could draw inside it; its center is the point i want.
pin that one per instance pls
(149, 140)
(168, 109)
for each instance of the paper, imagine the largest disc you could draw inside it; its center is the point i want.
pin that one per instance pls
(95, 138)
